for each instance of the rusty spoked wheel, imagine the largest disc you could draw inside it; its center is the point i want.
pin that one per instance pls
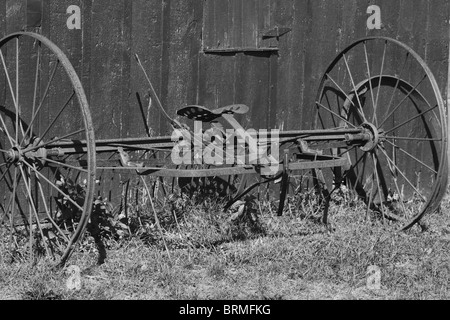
(382, 86)
(47, 149)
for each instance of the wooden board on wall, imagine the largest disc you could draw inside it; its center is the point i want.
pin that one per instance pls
(146, 43)
(180, 63)
(165, 35)
(322, 28)
(2, 19)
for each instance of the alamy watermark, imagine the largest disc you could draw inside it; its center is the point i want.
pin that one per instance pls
(73, 282)
(217, 147)
(373, 278)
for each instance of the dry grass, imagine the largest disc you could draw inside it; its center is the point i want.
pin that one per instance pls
(255, 256)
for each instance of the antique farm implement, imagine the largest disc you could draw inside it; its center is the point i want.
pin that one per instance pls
(379, 129)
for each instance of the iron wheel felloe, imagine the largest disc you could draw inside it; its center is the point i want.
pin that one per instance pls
(384, 87)
(47, 194)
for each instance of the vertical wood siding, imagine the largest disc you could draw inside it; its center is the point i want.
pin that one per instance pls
(170, 37)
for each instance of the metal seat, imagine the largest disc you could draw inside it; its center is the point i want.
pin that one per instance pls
(200, 113)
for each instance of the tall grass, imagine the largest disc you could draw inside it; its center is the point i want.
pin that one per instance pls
(245, 253)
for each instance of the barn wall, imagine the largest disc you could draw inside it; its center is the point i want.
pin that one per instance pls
(212, 53)
(170, 37)
(322, 28)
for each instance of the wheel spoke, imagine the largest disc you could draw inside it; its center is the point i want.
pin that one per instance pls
(13, 95)
(394, 178)
(403, 175)
(30, 219)
(9, 81)
(347, 151)
(397, 84)
(17, 90)
(18, 112)
(352, 170)
(64, 165)
(36, 83)
(4, 174)
(363, 158)
(340, 89)
(12, 202)
(33, 206)
(334, 113)
(53, 141)
(57, 116)
(354, 88)
(370, 77)
(411, 119)
(328, 103)
(5, 129)
(55, 67)
(55, 187)
(12, 192)
(377, 178)
(401, 102)
(374, 119)
(412, 139)
(369, 204)
(412, 157)
(47, 211)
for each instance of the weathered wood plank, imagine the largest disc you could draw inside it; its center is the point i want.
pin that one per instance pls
(125, 70)
(252, 88)
(271, 118)
(16, 12)
(34, 13)
(217, 80)
(16, 15)
(110, 58)
(2, 34)
(147, 44)
(71, 43)
(438, 41)
(2, 19)
(222, 34)
(291, 60)
(185, 31)
(165, 62)
(320, 48)
(264, 23)
(194, 52)
(236, 22)
(108, 46)
(250, 23)
(86, 30)
(208, 24)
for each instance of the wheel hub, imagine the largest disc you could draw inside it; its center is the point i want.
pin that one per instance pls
(13, 156)
(372, 131)
(29, 153)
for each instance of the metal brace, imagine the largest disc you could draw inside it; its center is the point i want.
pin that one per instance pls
(125, 159)
(276, 32)
(284, 182)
